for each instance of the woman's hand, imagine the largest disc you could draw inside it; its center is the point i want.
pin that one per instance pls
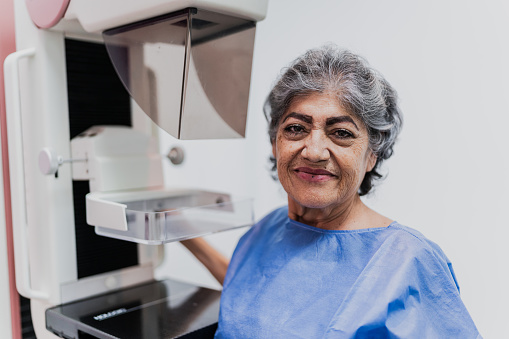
(214, 261)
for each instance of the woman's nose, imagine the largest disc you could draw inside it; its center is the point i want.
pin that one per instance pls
(315, 148)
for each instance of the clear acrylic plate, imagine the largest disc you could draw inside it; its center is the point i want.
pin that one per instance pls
(157, 217)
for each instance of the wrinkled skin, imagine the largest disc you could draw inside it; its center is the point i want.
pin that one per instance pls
(322, 154)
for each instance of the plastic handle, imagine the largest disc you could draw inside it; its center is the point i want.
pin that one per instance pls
(16, 167)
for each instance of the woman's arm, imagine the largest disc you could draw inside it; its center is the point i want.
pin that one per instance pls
(214, 261)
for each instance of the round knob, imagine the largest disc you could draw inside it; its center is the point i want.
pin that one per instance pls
(176, 155)
(49, 161)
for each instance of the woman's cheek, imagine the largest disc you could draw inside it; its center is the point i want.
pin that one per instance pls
(286, 151)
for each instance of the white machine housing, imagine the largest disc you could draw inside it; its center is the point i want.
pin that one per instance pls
(38, 118)
(116, 158)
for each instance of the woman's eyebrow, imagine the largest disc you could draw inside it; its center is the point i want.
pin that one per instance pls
(337, 120)
(306, 118)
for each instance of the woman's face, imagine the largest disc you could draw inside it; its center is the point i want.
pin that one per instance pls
(322, 152)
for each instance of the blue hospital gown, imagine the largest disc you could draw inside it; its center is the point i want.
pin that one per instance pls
(290, 280)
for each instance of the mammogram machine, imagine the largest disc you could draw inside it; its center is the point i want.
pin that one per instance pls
(85, 200)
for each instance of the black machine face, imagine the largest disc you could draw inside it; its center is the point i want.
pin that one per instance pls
(96, 97)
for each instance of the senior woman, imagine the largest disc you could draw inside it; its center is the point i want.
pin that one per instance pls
(326, 265)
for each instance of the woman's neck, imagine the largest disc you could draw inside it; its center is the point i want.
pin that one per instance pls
(350, 215)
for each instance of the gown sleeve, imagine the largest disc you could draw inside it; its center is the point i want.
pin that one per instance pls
(408, 290)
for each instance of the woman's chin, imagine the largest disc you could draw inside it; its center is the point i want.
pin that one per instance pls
(314, 202)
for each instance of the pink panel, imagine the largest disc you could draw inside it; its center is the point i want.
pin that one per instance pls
(8, 46)
(46, 13)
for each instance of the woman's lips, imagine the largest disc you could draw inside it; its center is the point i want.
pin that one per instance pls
(313, 174)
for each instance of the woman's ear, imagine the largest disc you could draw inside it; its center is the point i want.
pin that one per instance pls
(274, 149)
(370, 164)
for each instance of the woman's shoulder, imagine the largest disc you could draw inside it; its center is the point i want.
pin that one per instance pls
(412, 275)
(421, 250)
(265, 226)
(418, 241)
(254, 239)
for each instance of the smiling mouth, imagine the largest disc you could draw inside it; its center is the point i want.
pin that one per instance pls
(314, 174)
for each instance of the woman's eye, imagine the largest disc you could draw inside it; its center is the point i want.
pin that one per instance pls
(342, 134)
(294, 129)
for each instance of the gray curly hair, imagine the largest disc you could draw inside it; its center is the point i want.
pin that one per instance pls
(359, 88)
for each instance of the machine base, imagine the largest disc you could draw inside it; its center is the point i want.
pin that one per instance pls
(159, 309)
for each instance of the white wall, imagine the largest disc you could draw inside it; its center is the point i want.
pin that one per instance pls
(449, 175)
